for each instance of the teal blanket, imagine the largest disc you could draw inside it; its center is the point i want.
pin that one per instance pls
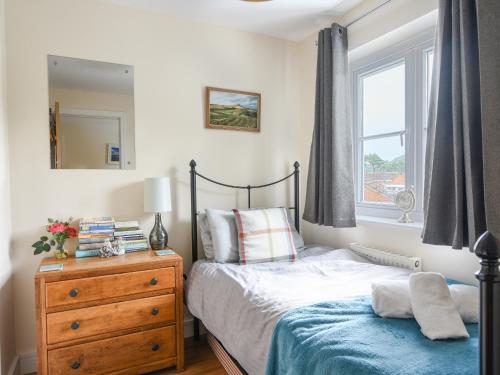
(347, 338)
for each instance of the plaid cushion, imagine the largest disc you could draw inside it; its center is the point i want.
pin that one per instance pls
(264, 236)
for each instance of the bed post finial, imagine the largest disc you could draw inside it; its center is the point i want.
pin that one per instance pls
(296, 166)
(488, 250)
(192, 164)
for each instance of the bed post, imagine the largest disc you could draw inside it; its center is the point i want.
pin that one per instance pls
(249, 188)
(296, 166)
(488, 250)
(194, 236)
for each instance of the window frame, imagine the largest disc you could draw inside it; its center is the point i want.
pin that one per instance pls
(413, 52)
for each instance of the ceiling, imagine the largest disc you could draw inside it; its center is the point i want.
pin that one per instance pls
(79, 74)
(287, 19)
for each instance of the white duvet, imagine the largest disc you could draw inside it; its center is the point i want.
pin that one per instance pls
(240, 305)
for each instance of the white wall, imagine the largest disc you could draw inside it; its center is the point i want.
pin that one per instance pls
(391, 20)
(385, 20)
(7, 337)
(173, 61)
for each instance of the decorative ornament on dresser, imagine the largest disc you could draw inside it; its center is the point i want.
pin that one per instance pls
(59, 231)
(110, 249)
(405, 201)
(157, 200)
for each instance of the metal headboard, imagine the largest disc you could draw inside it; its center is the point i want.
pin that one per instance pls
(248, 188)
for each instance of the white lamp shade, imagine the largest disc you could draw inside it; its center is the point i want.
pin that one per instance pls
(157, 194)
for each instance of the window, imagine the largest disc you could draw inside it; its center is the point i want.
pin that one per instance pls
(383, 125)
(391, 97)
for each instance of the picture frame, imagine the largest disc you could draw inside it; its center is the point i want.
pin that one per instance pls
(232, 109)
(113, 153)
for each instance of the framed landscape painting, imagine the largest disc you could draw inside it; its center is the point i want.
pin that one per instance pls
(232, 110)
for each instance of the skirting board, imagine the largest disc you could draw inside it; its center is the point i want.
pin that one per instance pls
(27, 363)
(14, 368)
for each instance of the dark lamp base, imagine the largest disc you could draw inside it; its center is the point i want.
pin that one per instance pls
(158, 238)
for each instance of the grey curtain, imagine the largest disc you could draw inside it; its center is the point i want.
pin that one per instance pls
(454, 209)
(489, 58)
(330, 188)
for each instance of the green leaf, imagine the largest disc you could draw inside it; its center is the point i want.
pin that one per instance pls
(44, 238)
(37, 244)
(50, 220)
(37, 251)
(46, 247)
(52, 242)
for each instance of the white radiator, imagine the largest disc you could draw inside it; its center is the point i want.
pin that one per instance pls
(386, 258)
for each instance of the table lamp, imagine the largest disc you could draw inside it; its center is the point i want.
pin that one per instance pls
(157, 200)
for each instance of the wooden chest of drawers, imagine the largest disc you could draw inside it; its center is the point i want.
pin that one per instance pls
(120, 315)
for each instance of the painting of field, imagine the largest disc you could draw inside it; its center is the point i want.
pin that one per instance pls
(237, 110)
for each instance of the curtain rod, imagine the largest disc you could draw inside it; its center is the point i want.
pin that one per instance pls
(367, 13)
(363, 15)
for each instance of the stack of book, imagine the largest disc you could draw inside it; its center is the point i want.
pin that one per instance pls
(93, 234)
(131, 235)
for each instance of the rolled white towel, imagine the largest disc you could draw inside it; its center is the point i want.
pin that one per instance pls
(433, 308)
(391, 299)
(466, 299)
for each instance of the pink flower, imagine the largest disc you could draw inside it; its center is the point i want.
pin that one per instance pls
(56, 228)
(71, 231)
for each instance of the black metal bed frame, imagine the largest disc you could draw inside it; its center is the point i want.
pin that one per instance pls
(248, 188)
(487, 248)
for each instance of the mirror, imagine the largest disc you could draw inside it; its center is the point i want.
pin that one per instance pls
(91, 114)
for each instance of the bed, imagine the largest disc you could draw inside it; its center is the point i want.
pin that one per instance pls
(254, 297)
(248, 309)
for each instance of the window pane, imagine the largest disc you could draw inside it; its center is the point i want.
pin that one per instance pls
(429, 62)
(384, 101)
(383, 169)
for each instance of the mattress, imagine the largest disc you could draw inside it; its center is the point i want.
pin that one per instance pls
(240, 304)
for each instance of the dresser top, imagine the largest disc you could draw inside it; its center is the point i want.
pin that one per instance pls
(95, 266)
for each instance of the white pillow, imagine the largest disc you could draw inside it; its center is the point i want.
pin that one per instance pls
(264, 235)
(206, 236)
(224, 235)
(298, 241)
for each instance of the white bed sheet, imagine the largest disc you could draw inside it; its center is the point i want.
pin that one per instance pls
(240, 305)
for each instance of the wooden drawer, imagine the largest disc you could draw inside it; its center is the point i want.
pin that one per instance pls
(75, 324)
(68, 292)
(114, 354)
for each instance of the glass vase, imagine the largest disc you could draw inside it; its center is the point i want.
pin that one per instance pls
(60, 252)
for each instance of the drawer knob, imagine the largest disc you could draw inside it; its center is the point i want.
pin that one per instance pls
(75, 325)
(75, 365)
(155, 311)
(155, 347)
(73, 292)
(153, 281)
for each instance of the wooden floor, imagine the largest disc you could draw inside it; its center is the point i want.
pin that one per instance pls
(199, 360)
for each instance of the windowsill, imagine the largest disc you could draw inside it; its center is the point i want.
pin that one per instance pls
(364, 219)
